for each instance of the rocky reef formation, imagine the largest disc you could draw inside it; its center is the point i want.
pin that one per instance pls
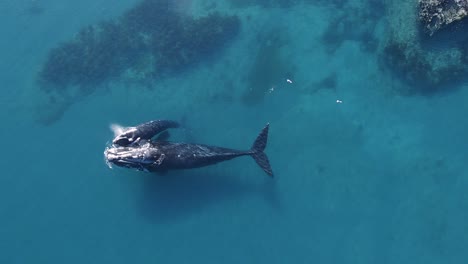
(360, 27)
(425, 71)
(149, 41)
(425, 65)
(437, 14)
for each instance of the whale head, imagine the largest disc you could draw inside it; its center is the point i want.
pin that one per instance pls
(139, 158)
(123, 136)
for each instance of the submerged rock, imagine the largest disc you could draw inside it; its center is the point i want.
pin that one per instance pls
(426, 65)
(436, 14)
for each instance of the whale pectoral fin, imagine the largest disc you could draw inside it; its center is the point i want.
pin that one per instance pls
(164, 136)
(141, 168)
(156, 127)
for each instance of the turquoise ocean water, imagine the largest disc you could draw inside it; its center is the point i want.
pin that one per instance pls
(364, 173)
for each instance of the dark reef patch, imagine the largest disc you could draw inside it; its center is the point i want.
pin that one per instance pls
(197, 40)
(97, 54)
(269, 69)
(359, 27)
(425, 72)
(149, 41)
(330, 82)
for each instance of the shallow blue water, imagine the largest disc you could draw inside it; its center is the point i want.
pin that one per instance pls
(362, 174)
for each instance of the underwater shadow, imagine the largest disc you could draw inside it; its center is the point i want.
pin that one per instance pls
(181, 194)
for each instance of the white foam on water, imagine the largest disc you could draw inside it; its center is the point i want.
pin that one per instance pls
(117, 129)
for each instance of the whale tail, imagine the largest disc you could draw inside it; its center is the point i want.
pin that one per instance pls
(257, 151)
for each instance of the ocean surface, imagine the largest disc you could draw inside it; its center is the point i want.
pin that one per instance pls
(364, 172)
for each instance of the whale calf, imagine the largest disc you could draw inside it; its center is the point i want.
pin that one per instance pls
(161, 156)
(126, 136)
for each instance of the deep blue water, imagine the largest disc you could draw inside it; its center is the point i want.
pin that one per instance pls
(363, 174)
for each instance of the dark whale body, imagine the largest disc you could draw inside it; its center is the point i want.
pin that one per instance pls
(161, 156)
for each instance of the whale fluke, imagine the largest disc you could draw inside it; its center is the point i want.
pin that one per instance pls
(257, 151)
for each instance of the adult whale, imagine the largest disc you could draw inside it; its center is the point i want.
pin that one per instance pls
(161, 156)
(126, 136)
